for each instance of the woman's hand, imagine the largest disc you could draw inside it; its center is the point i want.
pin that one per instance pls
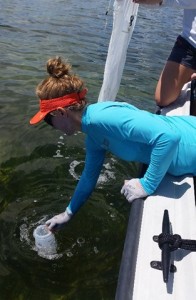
(58, 220)
(132, 189)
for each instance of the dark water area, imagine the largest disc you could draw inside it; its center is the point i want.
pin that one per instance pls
(40, 167)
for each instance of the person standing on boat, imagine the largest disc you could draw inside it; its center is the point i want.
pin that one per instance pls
(181, 63)
(161, 142)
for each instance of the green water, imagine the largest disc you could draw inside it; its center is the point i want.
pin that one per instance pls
(39, 167)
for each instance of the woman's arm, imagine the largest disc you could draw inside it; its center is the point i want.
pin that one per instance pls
(93, 165)
(162, 155)
(155, 132)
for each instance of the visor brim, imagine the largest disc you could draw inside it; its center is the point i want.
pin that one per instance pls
(38, 117)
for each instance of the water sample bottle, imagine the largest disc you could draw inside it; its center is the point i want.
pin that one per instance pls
(44, 240)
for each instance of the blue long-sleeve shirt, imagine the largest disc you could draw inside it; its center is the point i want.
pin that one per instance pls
(166, 144)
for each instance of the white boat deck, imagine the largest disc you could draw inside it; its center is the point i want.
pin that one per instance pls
(176, 194)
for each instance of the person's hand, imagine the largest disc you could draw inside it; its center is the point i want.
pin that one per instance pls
(132, 189)
(58, 220)
(148, 1)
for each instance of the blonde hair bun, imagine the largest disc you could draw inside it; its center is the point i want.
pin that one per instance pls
(62, 80)
(58, 68)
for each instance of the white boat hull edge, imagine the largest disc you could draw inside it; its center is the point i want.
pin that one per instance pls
(176, 194)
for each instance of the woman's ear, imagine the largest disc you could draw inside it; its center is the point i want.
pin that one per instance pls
(62, 111)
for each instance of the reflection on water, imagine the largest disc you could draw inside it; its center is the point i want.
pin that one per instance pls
(40, 167)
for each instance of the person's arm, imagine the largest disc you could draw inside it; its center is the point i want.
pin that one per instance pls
(161, 157)
(151, 2)
(93, 164)
(154, 132)
(185, 4)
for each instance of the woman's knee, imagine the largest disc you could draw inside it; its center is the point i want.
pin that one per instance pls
(166, 94)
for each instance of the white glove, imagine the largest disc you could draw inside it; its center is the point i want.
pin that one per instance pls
(58, 220)
(132, 189)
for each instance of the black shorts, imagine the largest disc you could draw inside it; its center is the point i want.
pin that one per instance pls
(183, 53)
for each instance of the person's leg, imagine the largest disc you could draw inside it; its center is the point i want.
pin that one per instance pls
(171, 81)
(193, 76)
(193, 95)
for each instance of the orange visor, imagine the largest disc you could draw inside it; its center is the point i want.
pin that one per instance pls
(46, 106)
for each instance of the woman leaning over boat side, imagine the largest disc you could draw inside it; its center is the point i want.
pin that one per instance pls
(181, 63)
(161, 142)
